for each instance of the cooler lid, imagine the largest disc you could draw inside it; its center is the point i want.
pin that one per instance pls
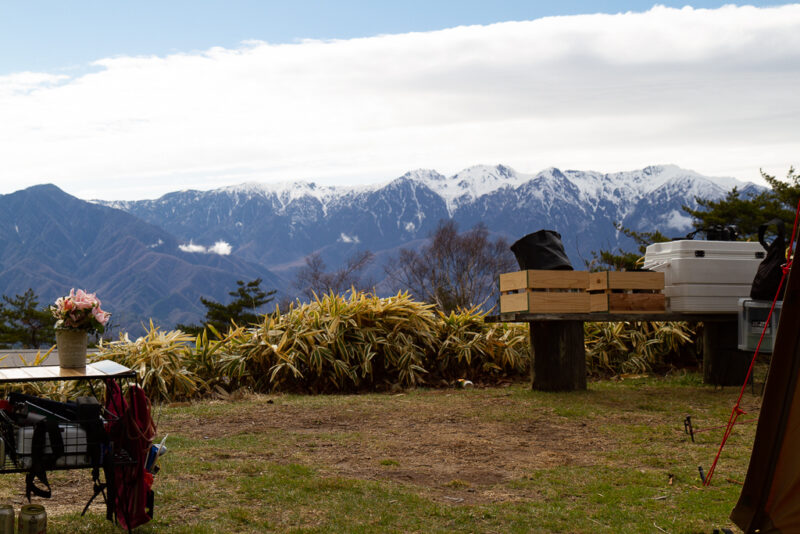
(660, 253)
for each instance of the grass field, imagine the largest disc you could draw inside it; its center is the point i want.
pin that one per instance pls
(612, 459)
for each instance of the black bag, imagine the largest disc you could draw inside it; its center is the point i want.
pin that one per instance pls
(541, 250)
(769, 274)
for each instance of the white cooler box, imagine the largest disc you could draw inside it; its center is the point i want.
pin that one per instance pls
(705, 276)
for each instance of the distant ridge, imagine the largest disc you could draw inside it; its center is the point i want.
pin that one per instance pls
(277, 225)
(51, 242)
(156, 258)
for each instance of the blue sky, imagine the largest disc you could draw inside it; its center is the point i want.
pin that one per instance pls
(123, 100)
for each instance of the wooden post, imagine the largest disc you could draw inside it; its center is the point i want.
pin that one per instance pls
(559, 356)
(723, 363)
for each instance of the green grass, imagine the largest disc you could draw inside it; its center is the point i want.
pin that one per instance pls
(277, 476)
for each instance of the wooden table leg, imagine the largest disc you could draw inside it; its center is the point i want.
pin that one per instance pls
(723, 363)
(559, 356)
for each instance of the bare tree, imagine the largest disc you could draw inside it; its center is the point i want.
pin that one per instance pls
(453, 270)
(313, 278)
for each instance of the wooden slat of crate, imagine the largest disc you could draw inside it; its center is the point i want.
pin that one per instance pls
(558, 279)
(642, 292)
(626, 280)
(627, 302)
(514, 302)
(545, 302)
(538, 279)
(541, 302)
(539, 291)
(513, 281)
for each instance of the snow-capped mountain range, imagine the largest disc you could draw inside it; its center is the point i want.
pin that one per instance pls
(156, 258)
(278, 225)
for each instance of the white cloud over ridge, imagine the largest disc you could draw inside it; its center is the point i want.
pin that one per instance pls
(220, 247)
(344, 238)
(711, 90)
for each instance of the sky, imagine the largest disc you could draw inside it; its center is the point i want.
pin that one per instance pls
(131, 100)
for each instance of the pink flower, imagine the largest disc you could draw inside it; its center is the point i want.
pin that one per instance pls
(80, 309)
(83, 300)
(99, 315)
(64, 304)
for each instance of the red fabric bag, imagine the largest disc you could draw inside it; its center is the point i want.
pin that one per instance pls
(131, 429)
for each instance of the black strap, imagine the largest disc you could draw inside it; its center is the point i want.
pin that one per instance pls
(41, 461)
(96, 437)
(151, 500)
(32, 488)
(108, 472)
(762, 230)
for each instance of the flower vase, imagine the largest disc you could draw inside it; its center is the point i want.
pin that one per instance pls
(71, 343)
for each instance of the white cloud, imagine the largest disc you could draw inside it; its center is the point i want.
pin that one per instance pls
(220, 247)
(677, 220)
(711, 90)
(344, 238)
(23, 83)
(191, 247)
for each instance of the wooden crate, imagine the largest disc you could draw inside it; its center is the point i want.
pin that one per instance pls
(621, 292)
(535, 291)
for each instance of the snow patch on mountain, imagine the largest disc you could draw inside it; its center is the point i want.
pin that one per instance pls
(287, 192)
(473, 183)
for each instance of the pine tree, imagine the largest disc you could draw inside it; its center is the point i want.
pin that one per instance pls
(621, 260)
(24, 323)
(748, 213)
(243, 310)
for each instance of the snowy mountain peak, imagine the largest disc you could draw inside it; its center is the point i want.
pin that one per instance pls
(424, 175)
(287, 192)
(552, 173)
(469, 184)
(636, 183)
(278, 225)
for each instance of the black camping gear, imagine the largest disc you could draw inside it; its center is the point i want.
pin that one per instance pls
(54, 434)
(717, 232)
(769, 274)
(541, 250)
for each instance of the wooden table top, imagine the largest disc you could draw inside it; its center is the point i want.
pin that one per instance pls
(40, 373)
(604, 317)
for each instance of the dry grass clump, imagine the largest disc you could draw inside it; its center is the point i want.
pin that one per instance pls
(362, 342)
(625, 347)
(163, 361)
(334, 343)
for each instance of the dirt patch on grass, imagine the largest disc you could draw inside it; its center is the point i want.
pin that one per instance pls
(457, 450)
(71, 491)
(452, 445)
